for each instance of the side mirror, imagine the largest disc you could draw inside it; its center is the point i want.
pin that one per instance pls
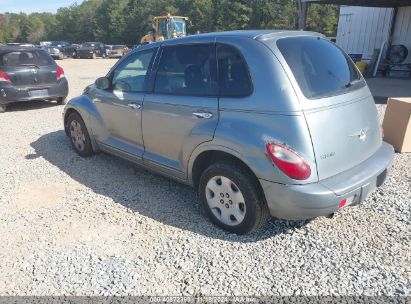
(102, 83)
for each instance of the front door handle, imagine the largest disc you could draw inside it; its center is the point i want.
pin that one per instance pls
(134, 106)
(205, 115)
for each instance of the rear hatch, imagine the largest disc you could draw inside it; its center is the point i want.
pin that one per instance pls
(29, 68)
(340, 112)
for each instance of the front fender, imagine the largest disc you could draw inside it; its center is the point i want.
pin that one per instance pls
(88, 112)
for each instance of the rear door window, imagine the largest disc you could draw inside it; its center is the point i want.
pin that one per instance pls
(187, 70)
(21, 58)
(320, 68)
(233, 75)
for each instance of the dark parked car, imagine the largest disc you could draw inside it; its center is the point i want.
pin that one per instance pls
(61, 50)
(92, 50)
(259, 122)
(29, 74)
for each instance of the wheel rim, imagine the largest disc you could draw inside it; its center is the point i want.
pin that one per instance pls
(77, 136)
(225, 200)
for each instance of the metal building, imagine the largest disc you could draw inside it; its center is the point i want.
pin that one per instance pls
(367, 25)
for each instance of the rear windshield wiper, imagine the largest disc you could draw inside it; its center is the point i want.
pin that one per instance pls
(351, 83)
(30, 64)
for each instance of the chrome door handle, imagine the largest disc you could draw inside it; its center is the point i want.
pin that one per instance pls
(134, 106)
(205, 115)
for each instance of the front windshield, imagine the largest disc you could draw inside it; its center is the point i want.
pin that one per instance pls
(89, 44)
(56, 43)
(179, 26)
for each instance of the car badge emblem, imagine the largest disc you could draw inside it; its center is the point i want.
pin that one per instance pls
(362, 134)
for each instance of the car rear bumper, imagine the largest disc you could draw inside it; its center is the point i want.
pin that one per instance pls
(10, 93)
(84, 54)
(298, 202)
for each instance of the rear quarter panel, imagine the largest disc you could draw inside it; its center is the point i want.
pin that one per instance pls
(248, 133)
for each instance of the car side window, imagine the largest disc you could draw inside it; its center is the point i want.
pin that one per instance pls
(187, 70)
(233, 74)
(132, 74)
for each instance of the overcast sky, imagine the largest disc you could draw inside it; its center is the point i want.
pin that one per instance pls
(30, 6)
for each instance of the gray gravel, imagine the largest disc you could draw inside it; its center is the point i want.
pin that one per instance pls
(99, 226)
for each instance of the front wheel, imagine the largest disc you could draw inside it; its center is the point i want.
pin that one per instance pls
(231, 198)
(79, 136)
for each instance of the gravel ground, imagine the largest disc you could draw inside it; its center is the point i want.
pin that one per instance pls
(99, 226)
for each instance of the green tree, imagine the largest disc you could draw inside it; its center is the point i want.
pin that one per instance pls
(126, 21)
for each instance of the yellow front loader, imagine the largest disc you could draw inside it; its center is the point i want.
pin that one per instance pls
(166, 27)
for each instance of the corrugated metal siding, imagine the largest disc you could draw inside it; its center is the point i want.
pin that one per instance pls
(402, 30)
(363, 29)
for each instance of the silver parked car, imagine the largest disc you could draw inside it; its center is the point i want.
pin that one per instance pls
(260, 122)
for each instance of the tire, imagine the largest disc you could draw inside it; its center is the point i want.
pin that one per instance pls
(61, 101)
(239, 207)
(3, 108)
(93, 56)
(80, 140)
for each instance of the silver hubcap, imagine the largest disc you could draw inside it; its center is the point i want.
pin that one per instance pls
(225, 200)
(77, 135)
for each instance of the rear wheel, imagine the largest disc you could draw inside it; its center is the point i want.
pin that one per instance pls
(232, 199)
(79, 136)
(3, 108)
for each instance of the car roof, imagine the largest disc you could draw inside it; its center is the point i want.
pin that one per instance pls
(252, 34)
(9, 48)
(257, 34)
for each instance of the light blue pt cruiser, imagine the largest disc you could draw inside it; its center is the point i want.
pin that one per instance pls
(262, 123)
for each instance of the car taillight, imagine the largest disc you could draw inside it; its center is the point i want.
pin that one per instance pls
(60, 73)
(288, 161)
(4, 77)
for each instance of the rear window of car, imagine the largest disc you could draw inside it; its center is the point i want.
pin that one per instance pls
(35, 57)
(320, 67)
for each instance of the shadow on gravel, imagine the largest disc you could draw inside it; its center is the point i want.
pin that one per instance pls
(30, 105)
(151, 195)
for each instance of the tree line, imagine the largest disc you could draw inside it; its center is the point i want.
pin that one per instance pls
(126, 21)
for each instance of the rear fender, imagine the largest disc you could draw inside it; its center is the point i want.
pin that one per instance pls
(245, 135)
